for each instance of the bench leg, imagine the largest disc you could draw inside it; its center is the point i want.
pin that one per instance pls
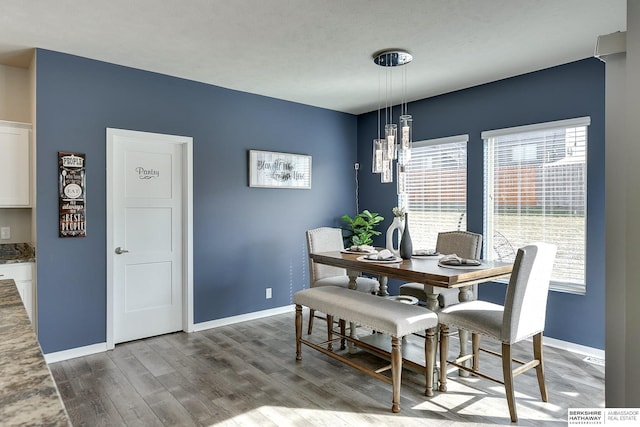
(330, 331)
(396, 372)
(298, 332)
(430, 358)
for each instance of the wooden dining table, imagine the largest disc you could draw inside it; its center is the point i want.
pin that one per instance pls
(425, 270)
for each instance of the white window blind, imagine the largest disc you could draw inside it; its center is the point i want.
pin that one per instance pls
(535, 190)
(436, 189)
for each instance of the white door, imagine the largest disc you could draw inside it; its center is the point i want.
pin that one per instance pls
(146, 241)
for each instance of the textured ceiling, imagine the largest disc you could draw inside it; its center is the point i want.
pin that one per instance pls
(315, 52)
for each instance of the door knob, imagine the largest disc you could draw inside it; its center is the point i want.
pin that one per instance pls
(120, 251)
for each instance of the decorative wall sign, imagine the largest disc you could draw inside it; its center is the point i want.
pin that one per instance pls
(71, 194)
(279, 170)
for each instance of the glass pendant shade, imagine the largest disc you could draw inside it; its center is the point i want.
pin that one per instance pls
(387, 171)
(402, 179)
(391, 135)
(406, 139)
(378, 155)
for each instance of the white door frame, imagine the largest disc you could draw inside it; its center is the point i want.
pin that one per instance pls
(187, 225)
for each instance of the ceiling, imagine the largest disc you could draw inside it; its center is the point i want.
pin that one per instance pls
(316, 52)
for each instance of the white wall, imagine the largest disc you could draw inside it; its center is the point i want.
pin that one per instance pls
(16, 106)
(15, 98)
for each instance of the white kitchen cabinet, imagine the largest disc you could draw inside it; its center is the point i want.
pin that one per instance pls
(22, 275)
(15, 164)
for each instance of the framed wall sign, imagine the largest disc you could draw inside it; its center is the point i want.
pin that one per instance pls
(72, 194)
(279, 170)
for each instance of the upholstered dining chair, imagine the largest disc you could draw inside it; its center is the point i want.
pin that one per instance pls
(326, 239)
(522, 316)
(465, 244)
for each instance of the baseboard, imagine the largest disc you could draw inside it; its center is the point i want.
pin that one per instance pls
(242, 318)
(568, 346)
(59, 356)
(101, 347)
(574, 348)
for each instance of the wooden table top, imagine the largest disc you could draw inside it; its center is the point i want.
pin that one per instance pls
(422, 270)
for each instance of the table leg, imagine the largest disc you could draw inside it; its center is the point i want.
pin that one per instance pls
(432, 298)
(464, 295)
(434, 305)
(353, 333)
(382, 291)
(353, 275)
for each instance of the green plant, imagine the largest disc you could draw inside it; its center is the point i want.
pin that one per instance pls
(361, 228)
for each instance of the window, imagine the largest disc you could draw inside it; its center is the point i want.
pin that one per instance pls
(435, 192)
(535, 190)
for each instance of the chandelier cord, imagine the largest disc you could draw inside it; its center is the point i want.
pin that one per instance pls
(404, 106)
(355, 170)
(379, 91)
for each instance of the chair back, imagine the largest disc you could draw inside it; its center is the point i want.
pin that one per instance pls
(525, 305)
(324, 239)
(465, 244)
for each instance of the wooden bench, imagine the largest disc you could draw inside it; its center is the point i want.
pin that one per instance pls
(381, 315)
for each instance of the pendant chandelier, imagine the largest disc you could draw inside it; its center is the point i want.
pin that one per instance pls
(388, 149)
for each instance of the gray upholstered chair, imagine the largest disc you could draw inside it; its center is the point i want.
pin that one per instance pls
(521, 317)
(465, 244)
(326, 239)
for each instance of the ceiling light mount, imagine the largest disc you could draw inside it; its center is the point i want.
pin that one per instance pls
(392, 57)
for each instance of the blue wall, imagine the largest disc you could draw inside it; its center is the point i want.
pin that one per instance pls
(245, 239)
(568, 91)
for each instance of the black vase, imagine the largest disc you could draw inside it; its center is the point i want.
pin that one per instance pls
(406, 247)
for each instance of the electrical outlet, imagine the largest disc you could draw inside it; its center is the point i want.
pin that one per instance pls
(268, 293)
(356, 166)
(5, 233)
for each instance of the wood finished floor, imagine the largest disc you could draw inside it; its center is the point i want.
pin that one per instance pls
(246, 375)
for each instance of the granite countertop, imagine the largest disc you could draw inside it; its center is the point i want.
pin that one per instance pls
(11, 253)
(28, 394)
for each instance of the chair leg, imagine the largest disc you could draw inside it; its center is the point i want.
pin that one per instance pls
(537, 354)
(444, 353)
(312, 313)
(475, 345)
(343, 330)
(507, 372)
(298, 332)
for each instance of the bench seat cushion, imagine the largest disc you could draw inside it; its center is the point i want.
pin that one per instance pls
(380, 314)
